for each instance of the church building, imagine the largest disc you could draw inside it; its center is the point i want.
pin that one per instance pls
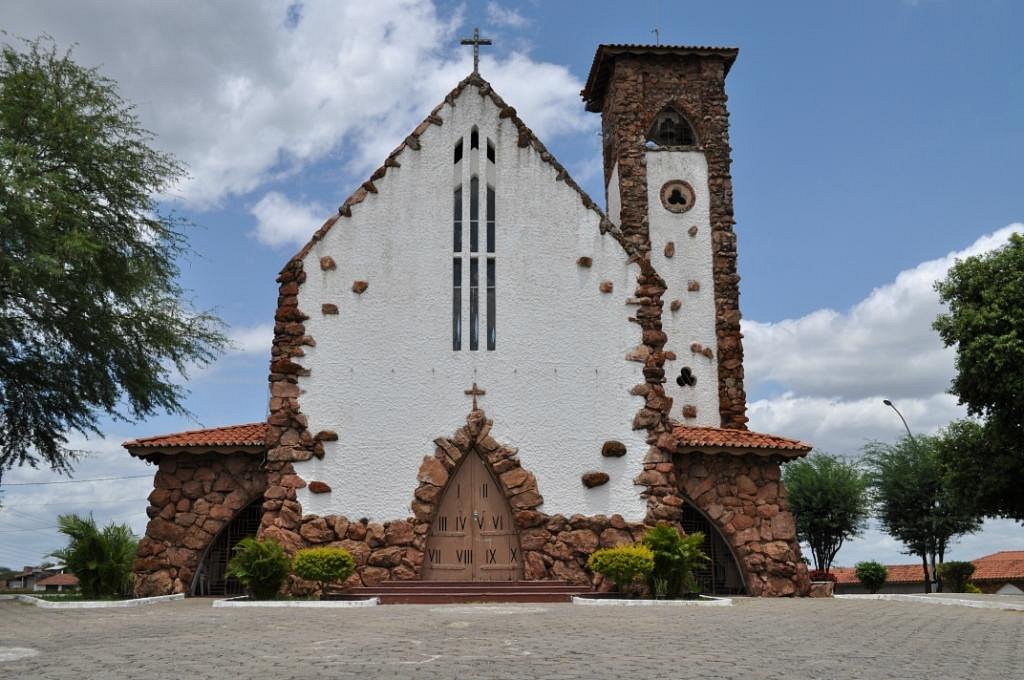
(479, 374)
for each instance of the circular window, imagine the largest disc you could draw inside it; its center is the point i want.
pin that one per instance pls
(677, 196)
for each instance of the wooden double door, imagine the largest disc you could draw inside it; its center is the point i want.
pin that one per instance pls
(473, 536)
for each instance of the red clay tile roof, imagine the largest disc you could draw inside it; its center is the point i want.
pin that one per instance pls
(252, 434)
(1002, 555)
(59, 580)
(898, 573)
(993, 567)
(715, 437)
(990, 569)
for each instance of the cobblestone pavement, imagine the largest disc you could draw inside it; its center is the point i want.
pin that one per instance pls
(760, 639)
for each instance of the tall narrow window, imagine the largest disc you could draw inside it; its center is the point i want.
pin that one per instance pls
(490, 150)
(474, 304)
(457, 220)
(490, 219)
(474, 213)
(458, 151)
(474, 139)
(491, 336)
(457, 303)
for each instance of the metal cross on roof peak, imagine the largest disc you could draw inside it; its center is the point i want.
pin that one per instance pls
(476, 41)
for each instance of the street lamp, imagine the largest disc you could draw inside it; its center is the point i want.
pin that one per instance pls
(913, 441)
(893, 407)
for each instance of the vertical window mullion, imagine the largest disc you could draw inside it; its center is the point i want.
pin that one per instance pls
(474, 213)
(474, 304)
(490, 219)
(491, 334)
(457, 303)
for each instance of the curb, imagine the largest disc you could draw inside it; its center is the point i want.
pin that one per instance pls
(98, 604)
(977, 604)
(243, 601)
(707, 601)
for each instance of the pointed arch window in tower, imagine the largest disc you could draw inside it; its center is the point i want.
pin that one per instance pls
(670, 128)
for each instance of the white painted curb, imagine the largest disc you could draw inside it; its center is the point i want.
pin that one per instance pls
(99, 604)
(707, 601)
(243, 601)
(977, 604)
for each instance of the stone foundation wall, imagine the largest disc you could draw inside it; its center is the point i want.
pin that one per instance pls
(194, 497)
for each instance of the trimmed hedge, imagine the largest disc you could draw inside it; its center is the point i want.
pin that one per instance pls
(624, 564)
(324, 565)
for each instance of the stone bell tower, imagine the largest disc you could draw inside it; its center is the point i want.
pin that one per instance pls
(666, 168)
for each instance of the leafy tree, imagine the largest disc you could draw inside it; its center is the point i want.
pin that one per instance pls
(92, 320)
(956, 574)
(871, 574)
(102, 560)
(985, 322)
(913, 499)
(829, 497)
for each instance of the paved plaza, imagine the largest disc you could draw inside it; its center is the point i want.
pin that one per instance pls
(760, 639)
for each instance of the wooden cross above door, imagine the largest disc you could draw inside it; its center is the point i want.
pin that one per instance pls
(476, 391)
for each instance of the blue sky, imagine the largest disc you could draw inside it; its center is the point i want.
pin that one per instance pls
(872, 142)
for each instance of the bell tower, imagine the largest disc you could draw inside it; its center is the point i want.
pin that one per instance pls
(665, 132)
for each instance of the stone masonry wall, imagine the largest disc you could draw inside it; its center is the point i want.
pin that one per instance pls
(553, 546)
(194, 497)
(744, 497)
(640, 87)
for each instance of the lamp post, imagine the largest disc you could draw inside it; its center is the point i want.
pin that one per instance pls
(913, 441)
(893, 407)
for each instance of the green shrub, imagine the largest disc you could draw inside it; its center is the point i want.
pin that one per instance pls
(973, 589)
(955, 576)
(324, 565)
(101, 559)
(675, 557)
(871, 574)
(261, 566)
(623, 564)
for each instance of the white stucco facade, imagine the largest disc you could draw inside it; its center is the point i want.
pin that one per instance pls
(383, 373)
(693, 260)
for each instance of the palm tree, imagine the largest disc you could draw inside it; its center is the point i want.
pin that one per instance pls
(102, 560)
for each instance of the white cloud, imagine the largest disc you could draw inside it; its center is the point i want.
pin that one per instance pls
(245, 93)
(252, 339)
(883, 346)
(834, 369)
(280, 221)
(842, 427)
(30, 512)
(503, 16)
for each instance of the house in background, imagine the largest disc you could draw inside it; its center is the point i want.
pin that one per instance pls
(27, 578)
(42, 578)
(1000, 573)
(58, 583)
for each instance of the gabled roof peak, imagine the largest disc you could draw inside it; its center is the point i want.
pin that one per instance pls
(526, 139)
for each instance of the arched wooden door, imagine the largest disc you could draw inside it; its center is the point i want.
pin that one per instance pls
(473, 536)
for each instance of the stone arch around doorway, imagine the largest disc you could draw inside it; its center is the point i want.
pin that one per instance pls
(518, 485)
(211, 577)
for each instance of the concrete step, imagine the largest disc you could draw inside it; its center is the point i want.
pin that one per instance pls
(441, 592)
